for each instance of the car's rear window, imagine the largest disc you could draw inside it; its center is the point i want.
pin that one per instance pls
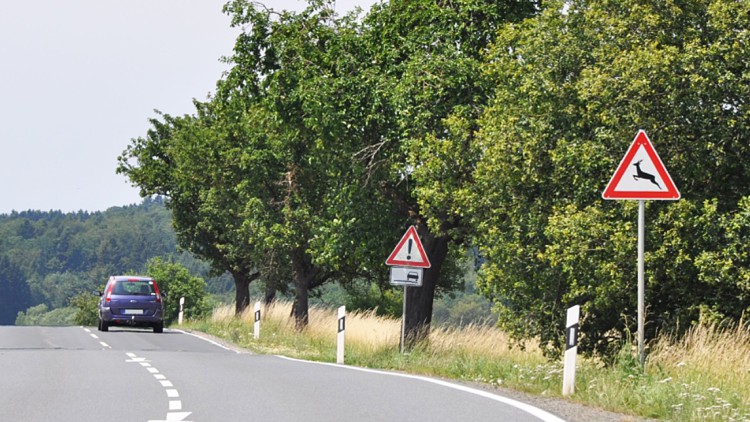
(133, 288)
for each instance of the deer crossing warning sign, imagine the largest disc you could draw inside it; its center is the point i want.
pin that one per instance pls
(641, 174)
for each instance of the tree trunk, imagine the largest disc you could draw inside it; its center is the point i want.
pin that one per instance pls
(302, 273)
(241, 292)
(242, 282)
(270, 295)
(301, 305)
(419, 299)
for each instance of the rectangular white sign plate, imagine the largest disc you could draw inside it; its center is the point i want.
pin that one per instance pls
(406, 276)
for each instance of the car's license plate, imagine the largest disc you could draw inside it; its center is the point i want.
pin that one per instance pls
(133, 311)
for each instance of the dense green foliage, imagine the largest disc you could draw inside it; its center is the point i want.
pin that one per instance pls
(175, 282)
(87, 309)
(42, 315)
(317, 149)
(494, 125)
(572, 88)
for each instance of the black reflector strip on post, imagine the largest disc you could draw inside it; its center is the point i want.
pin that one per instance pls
(571, 337)
(342, 324)
(257, 316)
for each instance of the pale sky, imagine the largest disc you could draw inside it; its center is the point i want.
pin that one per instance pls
(80, 78)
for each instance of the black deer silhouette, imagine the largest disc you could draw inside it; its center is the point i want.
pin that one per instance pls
(643, 175)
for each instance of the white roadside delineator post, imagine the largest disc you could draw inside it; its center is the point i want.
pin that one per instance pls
(571, 350)
(341, 335)
(256, 327)
(179, 316)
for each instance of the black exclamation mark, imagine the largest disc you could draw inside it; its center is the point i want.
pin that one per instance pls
(408, 254)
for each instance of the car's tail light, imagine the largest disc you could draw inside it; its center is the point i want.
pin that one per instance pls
(108, 298)
(158, 294)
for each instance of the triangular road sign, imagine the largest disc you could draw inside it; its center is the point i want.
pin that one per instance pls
(641, 174)
(409, 252)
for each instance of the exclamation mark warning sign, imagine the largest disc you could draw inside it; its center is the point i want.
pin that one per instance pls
(409, 251)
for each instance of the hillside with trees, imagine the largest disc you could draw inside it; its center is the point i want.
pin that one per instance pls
(48, 258)
(52, 265)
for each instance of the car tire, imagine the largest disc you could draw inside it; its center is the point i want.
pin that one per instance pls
(159, 328)
(99, 324)
(104, 326)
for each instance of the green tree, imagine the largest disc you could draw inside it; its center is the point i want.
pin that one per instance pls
(284, 108)
(572, 87)
(425, 66)
(175, 282)
(87, 309)
(178, 158)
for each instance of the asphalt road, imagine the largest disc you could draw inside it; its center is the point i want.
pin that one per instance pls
(80, 374)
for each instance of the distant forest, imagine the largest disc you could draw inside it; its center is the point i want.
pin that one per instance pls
(48, 257)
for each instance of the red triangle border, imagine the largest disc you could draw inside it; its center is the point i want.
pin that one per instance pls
(411, 232)
(670, 193)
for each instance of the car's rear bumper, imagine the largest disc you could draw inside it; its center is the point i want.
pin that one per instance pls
(133, 320)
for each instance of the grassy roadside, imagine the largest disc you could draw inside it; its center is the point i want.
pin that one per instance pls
(703, 377)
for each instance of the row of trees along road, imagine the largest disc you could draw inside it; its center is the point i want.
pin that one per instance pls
(494, 124)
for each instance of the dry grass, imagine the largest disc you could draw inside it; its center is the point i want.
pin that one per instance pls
(710, 350)
(703, 376)
(709, 369)
(370, 332)
(480, 340)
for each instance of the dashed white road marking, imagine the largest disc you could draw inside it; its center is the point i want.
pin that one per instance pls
(175, 406)
(172, 393)
(94, 336)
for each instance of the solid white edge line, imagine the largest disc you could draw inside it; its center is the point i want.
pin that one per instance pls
(208, 340)
(534, 411)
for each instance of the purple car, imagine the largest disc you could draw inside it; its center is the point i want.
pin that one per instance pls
(132, 301)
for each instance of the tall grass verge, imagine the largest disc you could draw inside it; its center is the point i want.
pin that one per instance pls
(703, 376)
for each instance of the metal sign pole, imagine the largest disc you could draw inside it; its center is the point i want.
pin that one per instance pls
(626, 185)
(403, 323)
(641, 282)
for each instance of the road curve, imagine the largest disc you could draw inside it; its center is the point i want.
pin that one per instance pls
(80, 374)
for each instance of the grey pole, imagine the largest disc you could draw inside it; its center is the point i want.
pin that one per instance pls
(403, 323)
(641, 282)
